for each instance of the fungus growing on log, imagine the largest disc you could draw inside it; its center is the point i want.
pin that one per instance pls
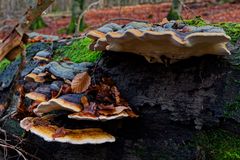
(63, 70)
(52, 133)
(43, 56)
(39, 97)
(71, 89)
(111, 116)
(32, 77)
(164, 43)
(45, 92)
(69, 102)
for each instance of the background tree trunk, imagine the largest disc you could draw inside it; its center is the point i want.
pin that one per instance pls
(77, 9)
(176, 9)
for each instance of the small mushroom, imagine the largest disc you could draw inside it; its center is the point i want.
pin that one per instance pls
(95, 35)
(39, 97)
(52, 133)
(69, 102)
(32, 77)
(40, 94)
(56, 70)
(67, 70)
(44, 55)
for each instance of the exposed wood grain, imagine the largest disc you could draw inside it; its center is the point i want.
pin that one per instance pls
(16, 38)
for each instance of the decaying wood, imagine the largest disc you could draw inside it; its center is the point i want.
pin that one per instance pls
(15, 40)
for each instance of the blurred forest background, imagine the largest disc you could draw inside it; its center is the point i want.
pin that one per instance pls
(14, 8)
(62, 16)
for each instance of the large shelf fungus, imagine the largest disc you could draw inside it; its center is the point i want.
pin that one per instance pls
(53, 133)
(164, 43)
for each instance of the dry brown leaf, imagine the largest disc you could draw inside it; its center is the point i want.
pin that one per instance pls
(40, 122)
(164, 21)
(84, 101)
(81, 82)
(116, 93)
(60, 132)
(66, 89)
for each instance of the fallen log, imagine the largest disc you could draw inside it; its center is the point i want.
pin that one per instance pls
(12, 45)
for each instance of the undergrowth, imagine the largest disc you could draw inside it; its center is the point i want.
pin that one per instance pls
(219, 144)
(77, 52)
(4, 64)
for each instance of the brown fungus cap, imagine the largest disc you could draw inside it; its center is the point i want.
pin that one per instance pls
(32, 77)
(40, 94)
(52, 133)
(69, 102)
(39, 97)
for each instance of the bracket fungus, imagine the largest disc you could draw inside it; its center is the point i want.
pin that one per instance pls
(63, 86)
(52, 133)
(63, 70)
(69, 102)
(44, 55)
(166, 42)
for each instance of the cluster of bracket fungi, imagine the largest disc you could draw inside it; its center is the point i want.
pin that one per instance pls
(67, 87)
(166, 42)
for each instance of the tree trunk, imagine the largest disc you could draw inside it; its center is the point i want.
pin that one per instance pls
(77, 9)
(175, 12)
(38, 23)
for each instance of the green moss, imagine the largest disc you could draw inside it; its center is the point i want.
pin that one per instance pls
(38, 24)
(197, 21)
(231, 29)
(78, 52)
(232, 108)
(4, 64)
(219, 144)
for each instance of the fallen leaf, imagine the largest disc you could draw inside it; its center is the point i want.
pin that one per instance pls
(40, 122)
(115, 111)
(164, 21)
(33, 106)
(116, 94)
(60, 132)
(84, 101)
(106, 107)
(66, 89)
(81, 82)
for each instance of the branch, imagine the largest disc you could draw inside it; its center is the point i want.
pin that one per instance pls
(82, 15)
(11, 45)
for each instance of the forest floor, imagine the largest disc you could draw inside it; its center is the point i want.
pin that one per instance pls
(149, 12)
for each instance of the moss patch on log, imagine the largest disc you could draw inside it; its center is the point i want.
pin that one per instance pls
(218, 144)
(77, 52)
(4, 64)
